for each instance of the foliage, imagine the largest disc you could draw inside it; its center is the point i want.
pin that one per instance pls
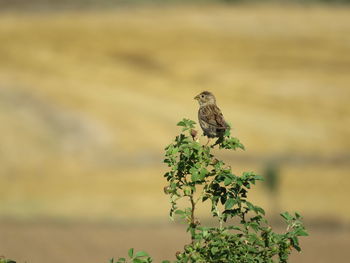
(4, 260)
(138, 257)
(197, 176)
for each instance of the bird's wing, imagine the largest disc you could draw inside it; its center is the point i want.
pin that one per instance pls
(212, 115)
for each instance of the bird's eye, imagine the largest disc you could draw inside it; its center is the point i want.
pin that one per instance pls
(202, 96)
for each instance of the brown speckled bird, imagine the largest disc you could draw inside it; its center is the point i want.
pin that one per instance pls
(210, 117)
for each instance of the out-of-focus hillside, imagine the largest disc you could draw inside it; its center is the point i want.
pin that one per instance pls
(88, 100)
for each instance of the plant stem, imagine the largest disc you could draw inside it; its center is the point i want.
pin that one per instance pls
(219, 216)
(192, 224)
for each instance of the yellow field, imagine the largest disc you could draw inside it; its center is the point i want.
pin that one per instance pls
(88, 100)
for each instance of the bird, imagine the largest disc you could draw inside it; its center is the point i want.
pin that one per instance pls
(210, 116)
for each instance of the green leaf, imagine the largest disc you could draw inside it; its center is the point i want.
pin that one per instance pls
(230, 203)
(286, 216)
(131, 252)
(258, 209)
(181, 123)
(141, 254)
(186, 152)
(301, 232)
(255, 226)
(175, 150)
(255, 208)
(295, 243)
(228, 181)
(203, 173)
(214, 250)
(259, 178)
(186, 123)
(250, 206)
(195, 176)
(252, 238)
(180, 212)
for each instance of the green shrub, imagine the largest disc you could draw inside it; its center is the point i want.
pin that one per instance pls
(242, 233)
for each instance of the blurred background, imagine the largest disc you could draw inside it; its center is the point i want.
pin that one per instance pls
(90, 94)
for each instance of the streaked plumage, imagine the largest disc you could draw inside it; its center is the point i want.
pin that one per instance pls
(210, 117)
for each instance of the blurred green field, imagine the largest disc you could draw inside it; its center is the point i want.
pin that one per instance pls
(88, 101)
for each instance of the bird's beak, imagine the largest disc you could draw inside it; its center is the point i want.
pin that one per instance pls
(197, 97)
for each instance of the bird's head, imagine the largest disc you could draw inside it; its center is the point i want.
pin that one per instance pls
(205, 98)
